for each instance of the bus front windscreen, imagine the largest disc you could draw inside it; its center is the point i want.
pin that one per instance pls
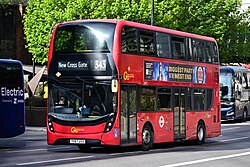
(84, 37)
(226, 86)
(86, 101)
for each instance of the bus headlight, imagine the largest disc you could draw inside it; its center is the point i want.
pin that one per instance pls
(110, 122)
(230, 113)
(50, 125)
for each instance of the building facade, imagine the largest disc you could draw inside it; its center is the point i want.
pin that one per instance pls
(12, 42)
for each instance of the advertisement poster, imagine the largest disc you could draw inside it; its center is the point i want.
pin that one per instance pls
(158, 71)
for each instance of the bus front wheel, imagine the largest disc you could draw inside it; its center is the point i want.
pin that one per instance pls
(201, 133)
(147, 138)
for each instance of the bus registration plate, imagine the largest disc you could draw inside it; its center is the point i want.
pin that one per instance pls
(77, 141)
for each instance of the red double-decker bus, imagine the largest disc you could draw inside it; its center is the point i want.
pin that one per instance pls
(119, 83)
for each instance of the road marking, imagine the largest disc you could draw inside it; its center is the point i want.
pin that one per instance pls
(240, 138)
(124, 153)
(20, 151)
(53, 160)
(207, 160)
(238, 124)
(230, 128)
(35, 150)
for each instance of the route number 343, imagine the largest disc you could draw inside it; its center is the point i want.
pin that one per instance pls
(100, 65)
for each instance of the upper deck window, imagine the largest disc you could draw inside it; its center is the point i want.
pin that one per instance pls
(129, 40)
(163, 45)
(147, 44)
(84, 37)
(153, 43)
(178, 47)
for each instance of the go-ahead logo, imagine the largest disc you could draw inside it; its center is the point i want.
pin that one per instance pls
(76, 130)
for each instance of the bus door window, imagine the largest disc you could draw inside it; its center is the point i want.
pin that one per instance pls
(179, 113)
(128, 113)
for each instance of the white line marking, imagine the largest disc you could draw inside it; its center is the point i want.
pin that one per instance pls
(23, 151)
(54, 160)
(35, 150)
(206, 160)
(230, 128)
(134, 152)
(59, 148)
(240, 138)
(238, 124)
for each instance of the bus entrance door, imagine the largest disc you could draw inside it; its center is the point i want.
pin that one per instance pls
(128, 114)
(179, 114)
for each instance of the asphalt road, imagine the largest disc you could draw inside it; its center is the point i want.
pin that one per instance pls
(232, 148)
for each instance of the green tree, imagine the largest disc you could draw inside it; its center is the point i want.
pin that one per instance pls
(220, 19)
(43, 15)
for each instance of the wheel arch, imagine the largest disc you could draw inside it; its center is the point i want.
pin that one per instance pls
(201, 121)
(150, 124)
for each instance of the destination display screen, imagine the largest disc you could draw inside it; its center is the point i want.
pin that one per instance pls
(84, 65)
(92, 65)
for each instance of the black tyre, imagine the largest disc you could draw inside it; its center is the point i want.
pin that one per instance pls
(147, 138)
(201, 133)
(244, 115)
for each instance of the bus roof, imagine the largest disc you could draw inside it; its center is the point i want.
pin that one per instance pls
(233, 69)
(144, 26)
(10, 61)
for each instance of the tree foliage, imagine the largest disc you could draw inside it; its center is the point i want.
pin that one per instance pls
(220, 19)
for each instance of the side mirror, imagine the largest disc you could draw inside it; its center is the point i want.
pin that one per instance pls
(114, 86)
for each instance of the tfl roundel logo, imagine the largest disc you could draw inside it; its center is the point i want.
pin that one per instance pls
(200, 75)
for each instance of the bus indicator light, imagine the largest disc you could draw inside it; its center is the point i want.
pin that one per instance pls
(115, 132)
(58, 74)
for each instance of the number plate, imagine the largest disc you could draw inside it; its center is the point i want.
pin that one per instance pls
(77, 141)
